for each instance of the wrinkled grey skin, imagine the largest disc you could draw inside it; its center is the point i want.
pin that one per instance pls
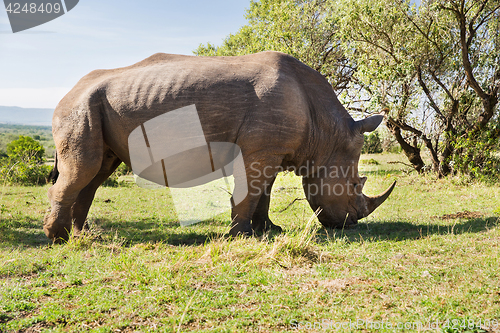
(280, 112)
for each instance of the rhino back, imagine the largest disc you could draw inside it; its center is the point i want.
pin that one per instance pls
(267, 102)
(251, 102)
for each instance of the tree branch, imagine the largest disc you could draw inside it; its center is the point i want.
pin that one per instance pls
(465, 43)
(428, 94)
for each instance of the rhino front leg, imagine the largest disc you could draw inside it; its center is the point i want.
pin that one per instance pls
(261, 222)
(259, 178)
(241, 218)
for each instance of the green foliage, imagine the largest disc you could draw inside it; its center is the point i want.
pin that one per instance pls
(372, 144)
(112, 181)
(26, 149)
(123, 170)
(24, 163)
(371, 161)
(394, 149)
(11, 132)
(304, 29)
(476, 157)
(19, 172)
(380, 43)
(411, 58)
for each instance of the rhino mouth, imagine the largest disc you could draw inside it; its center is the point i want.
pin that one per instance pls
(342, 219)
(348, 220)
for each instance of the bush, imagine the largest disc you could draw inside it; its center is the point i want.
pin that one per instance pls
(122, 170)
(394, 148)
(112, 180)
(26, 149)
(371, 161)
(24, 163)
(373, 144)
(19, 172)
(475, 157)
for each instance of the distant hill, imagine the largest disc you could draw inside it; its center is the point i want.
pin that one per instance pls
(25, 116)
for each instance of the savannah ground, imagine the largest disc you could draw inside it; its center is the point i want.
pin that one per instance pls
(430, 253)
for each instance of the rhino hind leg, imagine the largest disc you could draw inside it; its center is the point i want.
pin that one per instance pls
(261, 223)
(80, 147)
(84, 200)
(63, 194)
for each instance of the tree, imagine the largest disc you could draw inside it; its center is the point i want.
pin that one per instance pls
(434, 70)
(477, 27)
(437, 72)
(304, 29)
(372, 33)
(26, 149)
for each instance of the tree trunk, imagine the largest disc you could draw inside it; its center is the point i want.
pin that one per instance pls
(412, 152)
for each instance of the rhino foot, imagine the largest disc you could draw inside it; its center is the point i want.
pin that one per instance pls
(58, 232)
(261, 227)
(275, 228)
(240, 229)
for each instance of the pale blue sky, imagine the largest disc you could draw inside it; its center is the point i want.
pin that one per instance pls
(38, 66)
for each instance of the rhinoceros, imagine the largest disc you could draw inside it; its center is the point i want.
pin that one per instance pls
(282, 114)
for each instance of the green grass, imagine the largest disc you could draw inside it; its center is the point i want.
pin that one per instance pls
(138, 270)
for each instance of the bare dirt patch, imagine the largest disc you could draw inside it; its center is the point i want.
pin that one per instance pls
(38, 327)
(461, 215)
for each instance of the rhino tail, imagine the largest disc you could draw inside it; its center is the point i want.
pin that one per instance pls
(54, 173)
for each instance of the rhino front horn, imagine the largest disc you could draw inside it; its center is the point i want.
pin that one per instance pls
(373, 202)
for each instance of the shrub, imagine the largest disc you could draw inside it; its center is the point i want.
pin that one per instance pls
(122, 170)
(112, 181)
(373, 144)
(26, 149)
(370, 161)
(24, 163)
(19, 172)
(475, 157)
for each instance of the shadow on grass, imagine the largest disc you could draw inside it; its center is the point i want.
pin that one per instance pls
(383, 173)
(403, 230)
(152, 231)
(15, 234)
(28, 233)
(24, 232)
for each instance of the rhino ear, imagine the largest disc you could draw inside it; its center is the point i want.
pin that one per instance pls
(368, 124)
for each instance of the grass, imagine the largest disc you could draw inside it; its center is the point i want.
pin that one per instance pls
(138, 270)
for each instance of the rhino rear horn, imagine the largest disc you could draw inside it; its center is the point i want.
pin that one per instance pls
(373, 202)
(368, 124)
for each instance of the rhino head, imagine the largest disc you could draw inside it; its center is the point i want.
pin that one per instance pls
(337, 189)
